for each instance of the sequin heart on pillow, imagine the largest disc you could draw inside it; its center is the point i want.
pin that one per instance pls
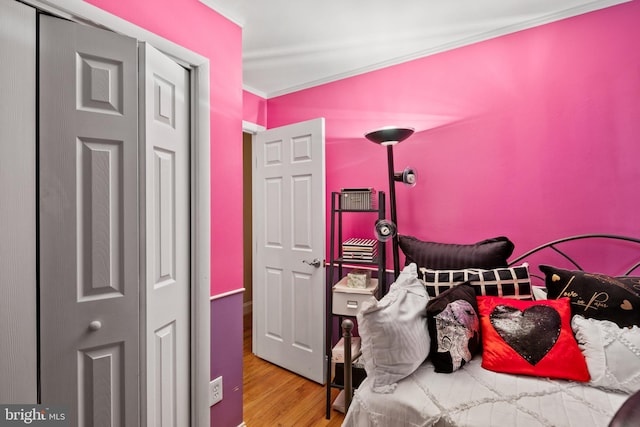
(532, 333)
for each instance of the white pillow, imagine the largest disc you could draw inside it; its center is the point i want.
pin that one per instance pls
(612, 353)
(393, 332)
(539, 293)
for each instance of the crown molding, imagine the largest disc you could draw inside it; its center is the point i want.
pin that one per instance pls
(223, 10)
(254, 91)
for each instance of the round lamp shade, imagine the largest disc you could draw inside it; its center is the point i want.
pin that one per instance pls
(389, 135)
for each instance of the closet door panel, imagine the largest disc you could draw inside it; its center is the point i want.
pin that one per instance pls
(88, 216)
(18, 357)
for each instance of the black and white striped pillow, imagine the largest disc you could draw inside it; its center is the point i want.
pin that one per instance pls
(506, 282)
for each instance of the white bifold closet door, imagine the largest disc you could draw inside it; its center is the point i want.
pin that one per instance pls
(164, 121)
(115, 229)
(18, 350)
(89, 268)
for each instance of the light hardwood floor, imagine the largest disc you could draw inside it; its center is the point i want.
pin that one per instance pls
(273, 396)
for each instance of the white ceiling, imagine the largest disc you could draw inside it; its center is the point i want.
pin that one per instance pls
(290, 45)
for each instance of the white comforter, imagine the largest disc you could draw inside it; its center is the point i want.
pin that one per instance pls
(475, 397)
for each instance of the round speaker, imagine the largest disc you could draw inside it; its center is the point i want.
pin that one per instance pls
(410, 176)
(385, 230)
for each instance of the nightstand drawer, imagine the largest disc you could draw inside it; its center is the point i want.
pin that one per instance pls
(348, 303)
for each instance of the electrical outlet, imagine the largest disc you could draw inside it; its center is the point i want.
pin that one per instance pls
(215, 391)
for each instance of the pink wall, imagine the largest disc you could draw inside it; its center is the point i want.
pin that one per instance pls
(532, 135)
(198, 28)
(254, 109)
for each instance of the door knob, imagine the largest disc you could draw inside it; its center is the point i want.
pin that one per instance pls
(315, 262)
(95, 325)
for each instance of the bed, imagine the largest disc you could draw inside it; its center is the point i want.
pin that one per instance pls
(582, 376)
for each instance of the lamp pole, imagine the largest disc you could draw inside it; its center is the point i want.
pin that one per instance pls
(392, 211)
(389, 136)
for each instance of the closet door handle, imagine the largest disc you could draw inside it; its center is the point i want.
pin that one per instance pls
(95, 325)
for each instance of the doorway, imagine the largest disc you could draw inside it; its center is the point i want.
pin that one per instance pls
(247, 214)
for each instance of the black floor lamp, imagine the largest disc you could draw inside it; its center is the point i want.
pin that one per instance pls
(389, 136)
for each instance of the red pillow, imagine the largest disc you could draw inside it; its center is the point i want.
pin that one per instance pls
(530, 338)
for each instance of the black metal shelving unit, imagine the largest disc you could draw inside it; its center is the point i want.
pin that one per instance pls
(336, 271)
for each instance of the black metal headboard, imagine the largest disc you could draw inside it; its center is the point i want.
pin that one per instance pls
(554, 246)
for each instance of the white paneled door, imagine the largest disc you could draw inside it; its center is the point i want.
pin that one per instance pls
(114, 229)
(165, 202)
(89, 302)
(289, 248)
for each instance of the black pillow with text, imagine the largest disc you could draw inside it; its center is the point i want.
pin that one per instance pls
(595, 295)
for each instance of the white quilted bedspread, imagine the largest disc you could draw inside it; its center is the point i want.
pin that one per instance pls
(475, 397)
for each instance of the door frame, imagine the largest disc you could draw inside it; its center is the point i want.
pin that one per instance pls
(79, 11)
(251, 129)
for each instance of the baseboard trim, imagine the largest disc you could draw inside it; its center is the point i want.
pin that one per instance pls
(242, 425)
